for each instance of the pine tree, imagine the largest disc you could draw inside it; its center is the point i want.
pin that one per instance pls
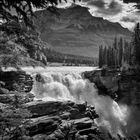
(105, 55)
(120, 51)
(115, 51)
(113, 61)
(109, 56)
(137, 44)
(100, 56)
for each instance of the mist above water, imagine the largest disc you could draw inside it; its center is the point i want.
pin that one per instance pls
(71, 86)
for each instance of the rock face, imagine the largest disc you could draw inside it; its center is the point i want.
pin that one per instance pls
(129, 87)
(76, 31)
(16, 81)
(15, 84)
(105, 81)
(41, 108)
(55, 120)
(124, 84)
(44, 124)
(60, 120)
(9, 98)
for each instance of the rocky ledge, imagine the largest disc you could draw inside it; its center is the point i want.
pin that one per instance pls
(60, 120)
(106, 81)
(123, 86)
(16, 81)
(52, 119)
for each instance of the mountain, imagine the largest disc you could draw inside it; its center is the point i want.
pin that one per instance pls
(75, 31)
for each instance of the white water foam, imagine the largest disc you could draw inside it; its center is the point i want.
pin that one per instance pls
(71, 86)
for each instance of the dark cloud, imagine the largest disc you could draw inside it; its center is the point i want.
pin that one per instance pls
(97, 3)
(138, 6)
(86, 1)
(129, 1)
(134, 1)
(128, 19)
(113, 7)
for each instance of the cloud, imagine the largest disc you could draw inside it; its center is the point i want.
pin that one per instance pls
(86, 0)
(114, 5)
(97, 3)
(113, 10)
(138, 6)
(137, 3)
(106, 7)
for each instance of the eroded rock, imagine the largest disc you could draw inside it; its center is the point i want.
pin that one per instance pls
(16, 81)
(43, 124)
(10, 98)
(41, 108)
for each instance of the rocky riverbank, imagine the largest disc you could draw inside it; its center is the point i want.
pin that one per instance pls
(123, 86)
(56, 120)
(105, 81)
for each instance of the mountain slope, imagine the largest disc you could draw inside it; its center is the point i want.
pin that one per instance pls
(76, 31)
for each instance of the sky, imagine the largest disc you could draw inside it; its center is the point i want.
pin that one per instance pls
(113, 10)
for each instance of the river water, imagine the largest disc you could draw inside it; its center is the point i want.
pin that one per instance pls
(66, 83)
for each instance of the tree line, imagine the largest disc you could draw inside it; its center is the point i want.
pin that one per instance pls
(53, 56)
(121, 52)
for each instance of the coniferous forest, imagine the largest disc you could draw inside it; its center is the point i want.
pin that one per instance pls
(122, 52)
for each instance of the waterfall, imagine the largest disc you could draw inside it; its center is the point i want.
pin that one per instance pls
(71, 86)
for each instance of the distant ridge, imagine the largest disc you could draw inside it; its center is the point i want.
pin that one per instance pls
(75, 31)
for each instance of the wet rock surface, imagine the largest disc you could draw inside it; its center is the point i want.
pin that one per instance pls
(40, 108)
(105, 81)
(57, 120)
(123, 86)
(63, 120)
(44, 124)
(10, 97)
(16, 81)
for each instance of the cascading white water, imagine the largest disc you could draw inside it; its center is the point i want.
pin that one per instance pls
(60, 86)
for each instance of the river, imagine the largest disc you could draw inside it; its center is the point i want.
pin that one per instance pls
(67, 83)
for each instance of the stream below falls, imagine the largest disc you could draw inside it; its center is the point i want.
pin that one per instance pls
(66, 83)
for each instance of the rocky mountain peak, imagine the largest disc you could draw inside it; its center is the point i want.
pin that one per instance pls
(76, 31)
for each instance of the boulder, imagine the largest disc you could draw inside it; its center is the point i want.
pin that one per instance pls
(6, 99)
(72, 128)
(106, 81)
(4, 91)
(9, 98)
(88, 131)
(82, 107)
(40, 137)
(41, 108)
(44, 125)
(27, 97)
(2, 83)
(57, 119)
(2, 106)
(16, 81)
(65, 115)
(82, 123)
